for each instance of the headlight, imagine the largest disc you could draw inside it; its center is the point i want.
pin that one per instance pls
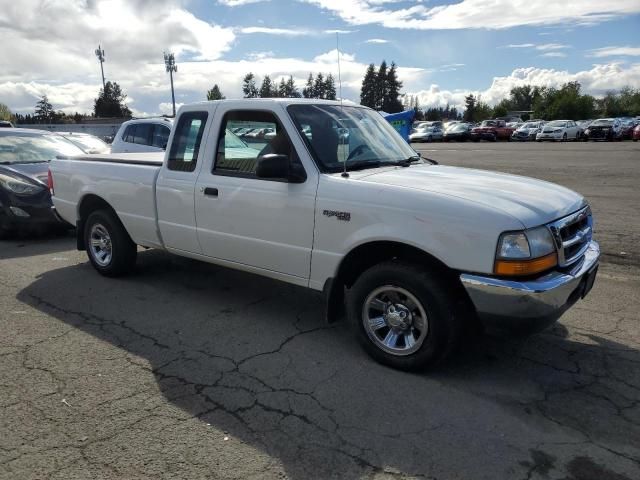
(525, 253)
(18, 186)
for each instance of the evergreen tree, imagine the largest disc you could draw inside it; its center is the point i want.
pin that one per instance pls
(111, 102)
(292, 90)
(309, 90)
(282, 88)
(330, 88)
(391, 100)
(382, 85)
(470, 107)
(319, 87)
(44, 110)
(268, 89)
(215, 93)
(367, 93)
(249, 86)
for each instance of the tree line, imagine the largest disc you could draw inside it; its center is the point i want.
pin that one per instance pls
(381, 88)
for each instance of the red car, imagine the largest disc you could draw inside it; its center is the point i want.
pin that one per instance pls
(492, 130)
(636, 133)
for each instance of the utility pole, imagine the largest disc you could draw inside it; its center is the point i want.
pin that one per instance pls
(100, 54)
(170, 65)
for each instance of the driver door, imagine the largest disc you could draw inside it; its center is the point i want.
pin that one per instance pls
(260, 223)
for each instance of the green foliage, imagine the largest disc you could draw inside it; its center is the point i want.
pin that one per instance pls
(268, 89)
(111, 102)
(564, 103)
(215, 93)
(381, 89)
(624, 103)
(249, 86)
(44, 110)
(320, 87)
(5, 113)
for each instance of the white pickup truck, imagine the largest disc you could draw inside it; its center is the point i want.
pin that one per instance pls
(336, 201)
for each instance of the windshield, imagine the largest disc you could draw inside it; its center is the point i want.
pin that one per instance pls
(460, 127)
(354, 134)
(557, 123)
(604, 122)
(88, 143)
(530, 125)
(29, 148)
(488, 123)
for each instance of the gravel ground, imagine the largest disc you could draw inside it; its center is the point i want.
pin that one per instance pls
(187, 370)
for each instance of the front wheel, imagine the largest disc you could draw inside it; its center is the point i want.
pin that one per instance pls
(404, 316)
(109, 247)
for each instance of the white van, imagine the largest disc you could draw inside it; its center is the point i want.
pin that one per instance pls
(142, 135)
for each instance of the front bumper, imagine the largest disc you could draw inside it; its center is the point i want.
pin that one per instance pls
(549, 136)
(531, 305)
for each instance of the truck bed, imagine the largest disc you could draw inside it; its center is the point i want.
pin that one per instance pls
(125, 180)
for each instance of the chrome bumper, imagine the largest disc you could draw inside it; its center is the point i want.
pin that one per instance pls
(532, 304)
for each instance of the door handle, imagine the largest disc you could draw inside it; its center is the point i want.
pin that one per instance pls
(211, 192)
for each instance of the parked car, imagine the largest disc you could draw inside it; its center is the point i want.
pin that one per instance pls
(527, 131)
(25, 201)
(636, 133)
(6, 124)
(460, 132)
(88, 143)
(492, 130)
(626, 128)
(604, 129)
(415, 250)
(559, 130)
(142, 135)
(258, 133)
(426, 133)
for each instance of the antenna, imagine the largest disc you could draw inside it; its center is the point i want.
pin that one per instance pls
(345, 174)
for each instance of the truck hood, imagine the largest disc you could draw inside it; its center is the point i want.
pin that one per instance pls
(533, 202)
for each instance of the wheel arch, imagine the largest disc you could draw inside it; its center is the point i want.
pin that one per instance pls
(366, 255)
(87, 205)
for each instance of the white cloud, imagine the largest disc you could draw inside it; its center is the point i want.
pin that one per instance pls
(521, 45)
(554, 54)
(291, 32)
(615, 52)
(477, 13)
(551, 46)
(377, 40)
(596, 81)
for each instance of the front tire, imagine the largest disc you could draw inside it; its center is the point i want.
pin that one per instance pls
(404, 316)
(109, 247)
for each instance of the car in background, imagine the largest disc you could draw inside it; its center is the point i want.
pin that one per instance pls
(560, 131)
(88, 143)
(142, 135)
(25, 199)
(6, 124)
(492, 130)
(608, 129)
(460, 132)
(527, 131)
(626, 128)
(636, 133)
(426, 133)
(258, 133)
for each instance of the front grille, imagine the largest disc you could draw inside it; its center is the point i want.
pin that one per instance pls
(572, 235)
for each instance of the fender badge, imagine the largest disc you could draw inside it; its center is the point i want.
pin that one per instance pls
(344, 216)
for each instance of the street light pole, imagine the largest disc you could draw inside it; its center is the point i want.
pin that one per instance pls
(170, 66)
(100, 54)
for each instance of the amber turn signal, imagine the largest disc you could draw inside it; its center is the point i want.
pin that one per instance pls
(525, 267)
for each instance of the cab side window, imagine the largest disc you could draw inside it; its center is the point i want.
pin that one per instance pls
(129, 133)
(187, 138)
(160, 136)
(257, 133)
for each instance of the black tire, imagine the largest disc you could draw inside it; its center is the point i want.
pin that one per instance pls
(435, 294)
(564, 137)
(5, 232)
(123, 250)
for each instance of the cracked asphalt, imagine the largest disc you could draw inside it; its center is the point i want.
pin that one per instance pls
(187, 370)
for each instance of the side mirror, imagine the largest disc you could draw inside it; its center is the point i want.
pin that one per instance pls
(278, 167)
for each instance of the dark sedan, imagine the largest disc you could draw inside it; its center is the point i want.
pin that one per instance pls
(459, 132)
(25, 200)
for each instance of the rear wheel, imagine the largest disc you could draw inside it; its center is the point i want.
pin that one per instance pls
(404, 316)
(109, 247)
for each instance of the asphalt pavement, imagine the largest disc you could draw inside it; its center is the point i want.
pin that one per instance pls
(186, 370)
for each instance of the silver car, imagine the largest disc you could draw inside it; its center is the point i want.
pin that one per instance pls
(426, 133)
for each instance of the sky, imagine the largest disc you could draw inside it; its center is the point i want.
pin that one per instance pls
(444, 50)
